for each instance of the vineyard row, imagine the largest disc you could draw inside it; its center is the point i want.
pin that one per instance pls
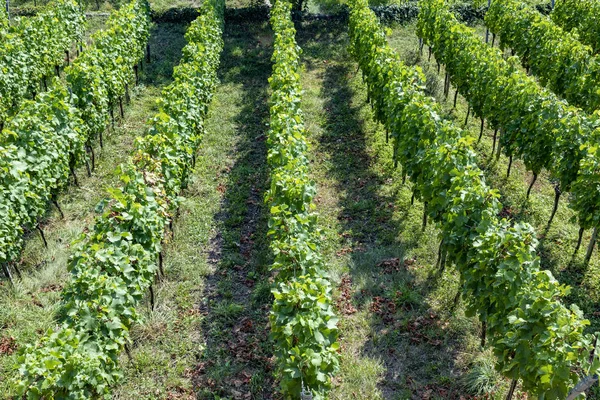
(557, 58)
(536, 338)
(51, 135)
(303, 323)
(32, 48)
(537, 127)
(115, 264)
(580, 16)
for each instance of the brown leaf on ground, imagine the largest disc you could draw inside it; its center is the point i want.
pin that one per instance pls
(390, 265)
(385, 308)
(51, 288)
(344, 302)
(8, 345)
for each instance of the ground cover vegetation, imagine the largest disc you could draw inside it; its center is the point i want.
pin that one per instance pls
(429, 273)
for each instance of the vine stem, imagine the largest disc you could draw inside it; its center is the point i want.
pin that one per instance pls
(494, 144)
(582, 386)
(55, 202)
(160, 264)
(581, 230)
(439, 258)
(535, 176)
(557, 193)
(511, 391)
(591, 246)
(151, 297)
(483, 332)
(39, 228)
(481, 130)
(455, 97)
(8, 274)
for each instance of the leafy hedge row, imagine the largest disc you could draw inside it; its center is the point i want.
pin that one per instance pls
(114, 264)
(542, 130)
(47, 138)
(535, 337)
(581, 17)
(558, 58)
(303, 323)
(30, 49)
(99, 77)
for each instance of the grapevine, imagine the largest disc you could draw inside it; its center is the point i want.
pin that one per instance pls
(542, 130)
(114, 265)
(536, 338)
(580, 17)
(39, 153)
(303, 323)
(30, 50)
(562, 63)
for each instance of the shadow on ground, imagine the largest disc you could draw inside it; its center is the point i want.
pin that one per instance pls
(236, 362)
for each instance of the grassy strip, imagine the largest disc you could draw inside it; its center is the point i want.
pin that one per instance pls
(303, 323)
(113, 265)
(516, 302)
